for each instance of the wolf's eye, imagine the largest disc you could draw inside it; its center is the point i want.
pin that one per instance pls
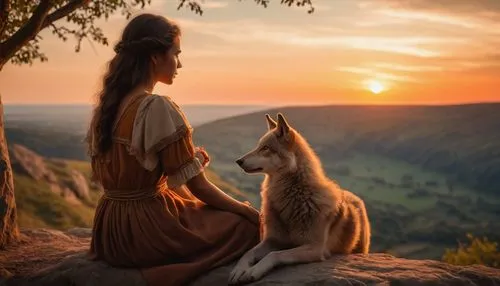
(265, 148)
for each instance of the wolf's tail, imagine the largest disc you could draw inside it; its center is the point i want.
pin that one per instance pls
(363, 245)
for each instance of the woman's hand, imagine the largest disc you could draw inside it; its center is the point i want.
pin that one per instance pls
(202, 155)
(210, 194)
(250, 213)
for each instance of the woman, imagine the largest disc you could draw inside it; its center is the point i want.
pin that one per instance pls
(159, 212)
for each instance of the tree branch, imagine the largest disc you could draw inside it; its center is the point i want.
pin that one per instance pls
(63, 11)
(26, 32)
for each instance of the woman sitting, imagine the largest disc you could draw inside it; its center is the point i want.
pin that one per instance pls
(159, 212)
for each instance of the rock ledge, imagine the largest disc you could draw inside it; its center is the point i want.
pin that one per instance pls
(50, 257)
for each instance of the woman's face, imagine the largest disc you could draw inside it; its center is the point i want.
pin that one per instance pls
(166, 65)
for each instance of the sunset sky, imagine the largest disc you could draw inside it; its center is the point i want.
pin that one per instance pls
(419, 51)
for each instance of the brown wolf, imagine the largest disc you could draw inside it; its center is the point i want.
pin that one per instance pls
(306, 217)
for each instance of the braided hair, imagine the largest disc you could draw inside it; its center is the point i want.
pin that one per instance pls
(144, 36)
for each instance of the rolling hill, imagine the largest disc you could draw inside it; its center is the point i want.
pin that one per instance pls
(462, 142)
(429, 174)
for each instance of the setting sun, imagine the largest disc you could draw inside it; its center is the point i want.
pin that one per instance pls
(375, 86)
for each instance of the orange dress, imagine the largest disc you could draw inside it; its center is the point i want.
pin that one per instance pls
(147, 218)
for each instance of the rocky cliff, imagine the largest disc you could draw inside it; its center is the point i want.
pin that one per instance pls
(67, 182)
(50, 257)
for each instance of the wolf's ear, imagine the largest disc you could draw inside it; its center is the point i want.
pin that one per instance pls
(283, 126)
(271, 124)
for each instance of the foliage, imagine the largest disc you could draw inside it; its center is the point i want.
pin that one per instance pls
(478, 251)
(80, 22)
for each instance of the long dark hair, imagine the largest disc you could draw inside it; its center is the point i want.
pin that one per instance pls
(144, 36)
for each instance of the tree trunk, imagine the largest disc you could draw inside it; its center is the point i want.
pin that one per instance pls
(9, 232)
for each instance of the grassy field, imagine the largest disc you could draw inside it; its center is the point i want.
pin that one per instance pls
(382, 179)
(38, 206)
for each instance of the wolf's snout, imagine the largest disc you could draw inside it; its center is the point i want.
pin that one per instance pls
(239, 162)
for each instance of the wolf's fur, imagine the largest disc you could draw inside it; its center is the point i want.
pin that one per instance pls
(306, 217)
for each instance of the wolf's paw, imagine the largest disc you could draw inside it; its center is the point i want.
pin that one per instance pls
(242, 276)
(239, 275)
(254, 273)
(326, 255)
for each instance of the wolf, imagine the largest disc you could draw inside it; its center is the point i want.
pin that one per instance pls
(305, 216)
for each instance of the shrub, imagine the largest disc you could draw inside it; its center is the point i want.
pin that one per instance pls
(478, 251)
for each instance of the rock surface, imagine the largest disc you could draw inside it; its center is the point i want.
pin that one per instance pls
(79, 185)
(25, 161)
(74, 189)
(50, 257)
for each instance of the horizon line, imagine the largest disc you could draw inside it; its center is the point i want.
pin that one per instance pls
(289, 104)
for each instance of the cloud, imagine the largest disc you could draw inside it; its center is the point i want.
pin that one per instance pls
(213, 4)
(486, 62)
(471, 59)
(481, 15)
(319, 37)
(476, 23)
(374, 73)
(318, 7)
(407, 68)
(429, 70)
(381, 21)
(392, 43)
(430, 17)
(402, 45)
(209, 4)
(453, 6)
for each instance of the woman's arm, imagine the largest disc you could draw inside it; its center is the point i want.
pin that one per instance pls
(207, 192)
